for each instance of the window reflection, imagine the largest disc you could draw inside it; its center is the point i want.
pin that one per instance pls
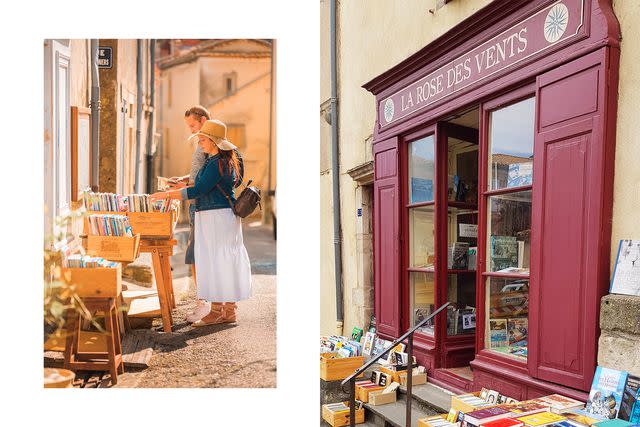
(421, 170)
(511, 132)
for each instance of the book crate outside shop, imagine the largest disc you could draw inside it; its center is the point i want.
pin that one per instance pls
(493, 164)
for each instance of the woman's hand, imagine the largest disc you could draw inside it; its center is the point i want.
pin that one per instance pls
(161, 195)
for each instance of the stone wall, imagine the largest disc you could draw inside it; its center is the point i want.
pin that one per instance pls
(619, 345)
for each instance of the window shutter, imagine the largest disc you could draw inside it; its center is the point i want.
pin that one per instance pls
(387, 237)
(571, 230)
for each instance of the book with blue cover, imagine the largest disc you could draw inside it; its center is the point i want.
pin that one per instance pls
(606, 393)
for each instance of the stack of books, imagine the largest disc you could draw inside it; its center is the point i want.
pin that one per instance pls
(111, 202)
(343, 346)
(110, 225)
(86, 261)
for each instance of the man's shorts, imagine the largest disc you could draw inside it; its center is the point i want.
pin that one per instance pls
(189, 257)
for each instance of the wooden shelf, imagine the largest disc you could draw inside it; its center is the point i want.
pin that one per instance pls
(421, 270)
(461, 271)
(462, 205)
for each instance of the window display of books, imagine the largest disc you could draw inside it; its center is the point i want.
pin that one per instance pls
(509, 336)
(421, 313)
(461, 320)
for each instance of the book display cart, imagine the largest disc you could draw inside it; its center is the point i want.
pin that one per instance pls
(153, 234)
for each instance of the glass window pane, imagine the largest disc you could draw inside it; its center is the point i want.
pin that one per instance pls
(421, 237)
(507, 316)
(422, 299)
(511, 131)
(461, 314)
(462, 238)
(509, 234)
(421, 170)
(462, 169)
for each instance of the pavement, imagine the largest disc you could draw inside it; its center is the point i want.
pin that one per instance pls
(240, 355)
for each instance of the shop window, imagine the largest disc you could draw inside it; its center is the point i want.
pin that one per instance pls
(422, 296)
(508, 243)
(462, 234)
(421, 230)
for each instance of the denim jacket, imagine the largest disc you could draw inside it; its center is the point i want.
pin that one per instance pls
(205, 191)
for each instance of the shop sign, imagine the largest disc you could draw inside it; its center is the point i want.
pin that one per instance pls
(535, 34)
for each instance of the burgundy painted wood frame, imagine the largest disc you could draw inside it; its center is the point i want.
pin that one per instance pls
(596, 48)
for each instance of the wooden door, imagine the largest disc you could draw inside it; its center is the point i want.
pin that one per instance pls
(571, 220)
(386, 225)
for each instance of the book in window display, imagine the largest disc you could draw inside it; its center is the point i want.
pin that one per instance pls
(458, 256)
(421, 189)
(626, 274)
(419, 314)
(498, 334)
(504, 253)
(520, 174)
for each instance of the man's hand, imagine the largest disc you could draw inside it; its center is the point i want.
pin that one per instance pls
(177, 185)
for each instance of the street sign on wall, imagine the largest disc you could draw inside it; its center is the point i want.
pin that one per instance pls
(105, 57)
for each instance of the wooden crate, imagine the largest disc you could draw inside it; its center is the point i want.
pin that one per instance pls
(114, 248)
(417, 379)
(158, 225)
(464, 407)
(340, 419)
(338, 368)
(395, 375)
(425, 422)
(94, 282)
(152, 224)
(377, 398)
(362, 393)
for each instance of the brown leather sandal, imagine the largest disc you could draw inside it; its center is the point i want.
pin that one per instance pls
(215, 316)
(229, 312)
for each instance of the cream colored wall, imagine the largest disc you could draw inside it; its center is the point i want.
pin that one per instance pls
(250, 107)
(80, 77)
(212, 71)
(373, 36)
(626, 195)
(185, 92)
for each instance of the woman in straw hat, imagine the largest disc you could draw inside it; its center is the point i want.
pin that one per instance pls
(222, 262)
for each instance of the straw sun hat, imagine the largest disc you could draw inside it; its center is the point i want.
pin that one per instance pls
(212, 129)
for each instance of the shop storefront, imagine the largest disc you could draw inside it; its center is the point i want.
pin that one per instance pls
(493, 162)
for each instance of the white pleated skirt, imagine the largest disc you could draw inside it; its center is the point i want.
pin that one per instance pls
(223, 270)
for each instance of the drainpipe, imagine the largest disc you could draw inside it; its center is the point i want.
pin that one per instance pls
(138, 112)
(151, 126)
(335, 168)
(95, 117)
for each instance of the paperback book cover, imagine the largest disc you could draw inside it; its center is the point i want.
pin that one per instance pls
(503, 422)
(504, 252)
(517, 330)
(541, 419)
(498, 333)
(630, 400)
(626, 273)
(613, 423)
(606, 393)
(559, 403)
(476, 418)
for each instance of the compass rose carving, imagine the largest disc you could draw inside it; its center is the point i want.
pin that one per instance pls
(389, 109)
(556, 22)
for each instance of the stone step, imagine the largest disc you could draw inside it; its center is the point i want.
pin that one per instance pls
(393, 414)
(431, 396)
